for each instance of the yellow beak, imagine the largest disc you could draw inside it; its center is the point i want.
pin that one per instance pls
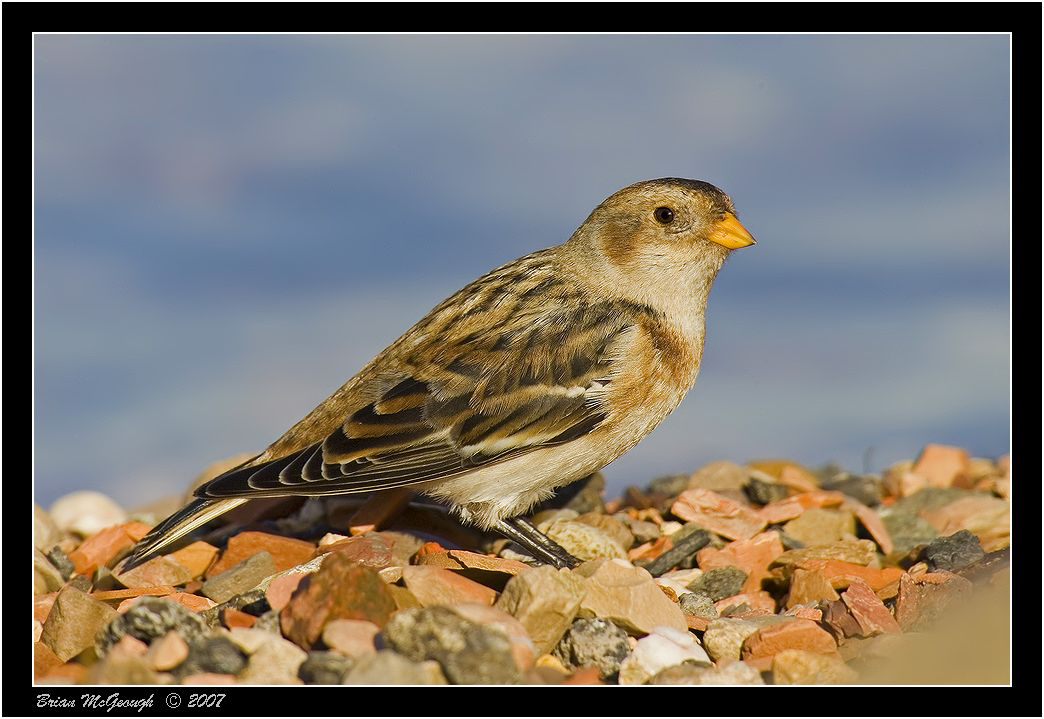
(731, 234)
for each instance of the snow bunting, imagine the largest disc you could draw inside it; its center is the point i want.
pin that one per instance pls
(531, 377)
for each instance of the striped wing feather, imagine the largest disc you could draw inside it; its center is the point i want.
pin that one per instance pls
(494, 395)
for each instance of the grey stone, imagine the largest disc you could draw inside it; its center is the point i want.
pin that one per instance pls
(687, 541)
(217, 655)
(643, 531)
(60, 561)
(671, 485)
(953, 553)
(867, 489)
(720, 583)
(927, 499)
(388, 667)
(762, 493)
(908, 530)
(150, 619)
(698, 604)
(468, 652)
(594, 642)
(324, 668)
(238, 579)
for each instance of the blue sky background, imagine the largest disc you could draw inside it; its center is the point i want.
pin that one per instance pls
(228, 227)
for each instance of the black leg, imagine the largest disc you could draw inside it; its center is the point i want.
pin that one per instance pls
(520, 531)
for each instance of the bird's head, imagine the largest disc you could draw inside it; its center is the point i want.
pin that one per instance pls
(661, 237)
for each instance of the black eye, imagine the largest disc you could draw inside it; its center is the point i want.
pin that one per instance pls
(664, 215)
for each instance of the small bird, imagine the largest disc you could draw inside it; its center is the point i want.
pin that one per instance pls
(531, 377)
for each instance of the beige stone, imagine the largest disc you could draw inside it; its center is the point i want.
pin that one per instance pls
(74, 621)
(797, 666)
(544, 600)
(627, 596)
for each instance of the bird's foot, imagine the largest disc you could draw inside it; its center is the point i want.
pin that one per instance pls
(522, 532)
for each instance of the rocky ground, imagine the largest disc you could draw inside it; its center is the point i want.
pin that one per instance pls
(767, 573)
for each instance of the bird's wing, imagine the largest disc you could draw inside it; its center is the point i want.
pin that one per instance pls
(523, 384)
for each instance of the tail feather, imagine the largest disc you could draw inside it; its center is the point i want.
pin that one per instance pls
(197, 513)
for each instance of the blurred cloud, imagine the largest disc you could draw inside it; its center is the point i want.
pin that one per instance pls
(228, 227)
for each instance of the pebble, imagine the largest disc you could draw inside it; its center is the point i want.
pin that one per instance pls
(720, 583)
(866, 489)
(584, 541)
(324, 668)
(861, 551)
(873, 524)
(275, 662)
(718, 514)
(989, 518)
(821, 526)
(239, 578)
(628, 596)
(544, 600)
(372, 549)
(763, 493)
(686, 542)
(434, 586)
(596, 643)
(249, 640)
(44, 660)
(522, 647)
(352, 638)
(809, 585)
(610, 526)
(727, 673)
(214, 655)
(46, 533)
(794, 506)
(796, 666)
(196, 558)
(157, 572)
(468, 652)
(641, 530)
(150, 619)
(922, 599)
(46, 577)
(167, 652)
(388, 667)
(86, 513)
(717, 476)
(869, 611)
(283, 552)
(60, 561)
(724, 637)
(941, 466)
(795, 633)
(341, 589)
(487, 570)
(753, 556)
(662, 648)
(122, 667)
(698, 604)
(670, 485)
(74, 620)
